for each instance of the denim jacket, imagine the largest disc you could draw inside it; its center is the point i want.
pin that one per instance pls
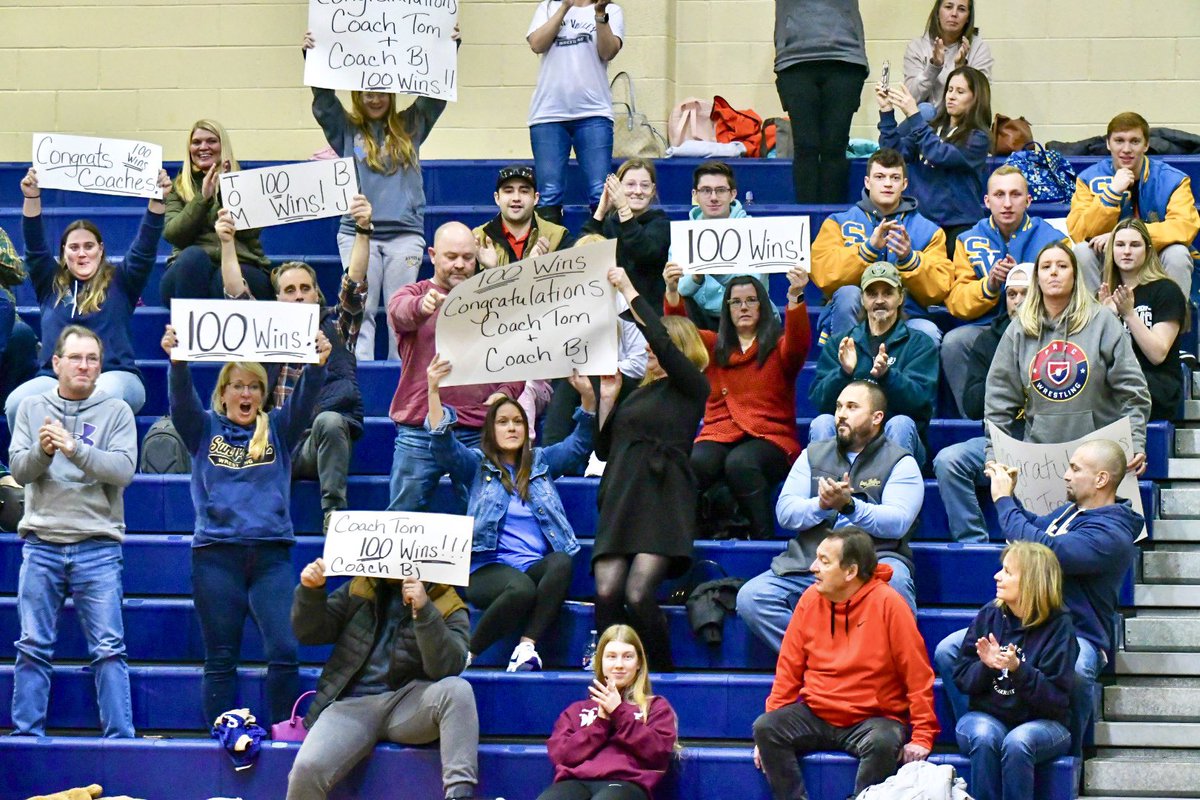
(488, 502)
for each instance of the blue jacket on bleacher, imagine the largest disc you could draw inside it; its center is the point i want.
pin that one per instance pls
(488, 501)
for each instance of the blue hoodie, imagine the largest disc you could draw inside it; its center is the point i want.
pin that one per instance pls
(1096, 549)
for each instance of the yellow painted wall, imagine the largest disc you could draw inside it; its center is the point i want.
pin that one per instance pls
(147, 68)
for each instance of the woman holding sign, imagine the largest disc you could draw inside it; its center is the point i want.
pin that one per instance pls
(241, 548)
(521, 557)
(749, 437)
(193, 270)
(647, 496)
(81, 287)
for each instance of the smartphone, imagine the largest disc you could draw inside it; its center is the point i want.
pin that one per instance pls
(885, 81)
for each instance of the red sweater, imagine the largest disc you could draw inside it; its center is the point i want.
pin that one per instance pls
(623, 747)
(749, 400)
(859, 659)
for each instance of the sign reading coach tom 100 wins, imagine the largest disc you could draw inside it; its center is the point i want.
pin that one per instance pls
(400, 544)
(735, 246)
(286, 193)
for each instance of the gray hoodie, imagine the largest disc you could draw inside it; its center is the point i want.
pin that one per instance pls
(68, 500)
(1067, 385)
(818, 30)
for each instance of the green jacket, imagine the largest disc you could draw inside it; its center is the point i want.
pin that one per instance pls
(194, 223)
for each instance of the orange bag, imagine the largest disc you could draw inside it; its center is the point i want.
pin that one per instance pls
(733, 125)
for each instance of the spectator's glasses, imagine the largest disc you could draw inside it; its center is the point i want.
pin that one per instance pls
(632, 186)
(711, 191)
(75, 359)
(242, 388)
(749, 302)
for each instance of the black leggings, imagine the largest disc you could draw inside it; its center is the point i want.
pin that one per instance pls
(507, 596)
(193, 275)
(752, 468)
(593, 790)
(629, 583)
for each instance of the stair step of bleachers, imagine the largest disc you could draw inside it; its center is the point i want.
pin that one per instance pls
(198, 769)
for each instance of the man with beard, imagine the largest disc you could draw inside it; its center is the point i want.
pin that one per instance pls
(858, 478)
(517, 232)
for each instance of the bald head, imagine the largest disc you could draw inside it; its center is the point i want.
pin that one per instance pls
(453, 254)
(1094, 473)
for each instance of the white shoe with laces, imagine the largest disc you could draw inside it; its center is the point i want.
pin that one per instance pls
(525, 658)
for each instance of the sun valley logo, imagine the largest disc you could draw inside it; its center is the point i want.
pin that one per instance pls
(229, 456)
(1059, 371)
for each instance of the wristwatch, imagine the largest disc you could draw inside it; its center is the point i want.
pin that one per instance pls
(602, 19)
(367, 231)
(847, 509)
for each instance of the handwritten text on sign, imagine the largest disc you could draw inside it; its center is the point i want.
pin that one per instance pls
(307, 190)
(400, 544)
(393, 46)
(98, 166)
(748, 244)
(533, 319)
(244, 330)
(1041, 468)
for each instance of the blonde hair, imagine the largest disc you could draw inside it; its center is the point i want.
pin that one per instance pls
(262, 425)
(185, 185)
(1151, 268)
(686, 338)
(638, 691)
(1080, 309)
(397, 148)
(590, 238)
(1040, 581)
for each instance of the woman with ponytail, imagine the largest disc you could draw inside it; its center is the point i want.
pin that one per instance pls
(241, 548)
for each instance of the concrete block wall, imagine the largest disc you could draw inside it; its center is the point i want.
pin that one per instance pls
(148, 68)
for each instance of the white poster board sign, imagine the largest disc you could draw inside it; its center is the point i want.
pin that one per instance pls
(1041, 468)
(400, 544)
(118, 167)
(533, 319)
(259, 198)
(245, 330)
(747, 244)
(393, 46)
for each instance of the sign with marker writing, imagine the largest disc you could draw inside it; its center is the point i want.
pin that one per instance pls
(259, 198)
(118, 167)
(392, 46)
(1042, 468)
(746, 244)
(400, 544)
(242, 330)
(533, 319)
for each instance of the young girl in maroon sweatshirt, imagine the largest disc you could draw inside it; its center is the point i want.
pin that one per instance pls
(617, 744)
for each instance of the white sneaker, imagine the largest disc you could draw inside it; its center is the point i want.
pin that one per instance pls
(525, 658)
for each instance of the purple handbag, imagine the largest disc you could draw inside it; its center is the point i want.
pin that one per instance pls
(291, 730)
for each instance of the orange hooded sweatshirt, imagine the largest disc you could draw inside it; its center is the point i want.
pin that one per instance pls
(858, 659)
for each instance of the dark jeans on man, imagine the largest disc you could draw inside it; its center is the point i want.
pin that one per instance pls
(820, 98)
(324, 454)
(193, 275)
(783, 733)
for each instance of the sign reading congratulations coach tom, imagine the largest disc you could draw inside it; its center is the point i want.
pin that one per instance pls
(259, 198)
(400, 544)
(393, 46)
(98, 166)
(747, 244)
(245, 330)
(533, 319)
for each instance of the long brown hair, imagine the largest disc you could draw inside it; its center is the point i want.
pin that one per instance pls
(95, 288)
(490, 448)
(979, 118)
(396, 150)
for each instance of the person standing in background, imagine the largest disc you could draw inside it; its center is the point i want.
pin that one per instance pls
(950, 41)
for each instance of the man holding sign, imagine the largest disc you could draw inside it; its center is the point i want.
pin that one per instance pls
(1093, 536)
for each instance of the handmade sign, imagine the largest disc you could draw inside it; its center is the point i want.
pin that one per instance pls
(746, 244)
(1041, 468)
(400, 544)
(259, 198)
(98, 166)
(393, 46)
(533, 319)
(245, 330)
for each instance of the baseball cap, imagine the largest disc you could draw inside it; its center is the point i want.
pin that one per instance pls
(1020, 276)
(880, 271)
(519, 172)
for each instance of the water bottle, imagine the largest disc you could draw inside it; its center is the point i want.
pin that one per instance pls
(749, 197)
(589, 652)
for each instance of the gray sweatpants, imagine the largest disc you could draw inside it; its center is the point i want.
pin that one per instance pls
(419, 713)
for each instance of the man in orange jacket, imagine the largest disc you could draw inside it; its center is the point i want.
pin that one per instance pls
(852, 674)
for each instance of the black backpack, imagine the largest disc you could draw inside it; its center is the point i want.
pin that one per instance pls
(163, 450)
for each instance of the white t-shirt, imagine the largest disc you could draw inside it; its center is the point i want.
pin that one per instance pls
(573, 81)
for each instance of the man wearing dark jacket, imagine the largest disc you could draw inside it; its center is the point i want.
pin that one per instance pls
(324, 450)
(1093, 536)
(398, 649)
(959, 467)
(517, 232)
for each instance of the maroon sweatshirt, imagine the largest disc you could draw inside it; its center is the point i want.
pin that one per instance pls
(623, 747)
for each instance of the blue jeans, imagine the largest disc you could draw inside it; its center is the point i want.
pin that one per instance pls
(842, 311)
(899, 429)
(230, 581)
(1003, 760)
(1087, 668)
(415, 473)
(116, 382)
(91, 572)
(766, 602)
(959, 470)
(592, 138)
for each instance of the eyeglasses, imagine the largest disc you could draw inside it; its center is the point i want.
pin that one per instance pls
(75, 359)
(749, 302)
(240, 388)
(710, 191)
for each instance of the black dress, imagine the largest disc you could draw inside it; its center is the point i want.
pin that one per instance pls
(647, 496)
